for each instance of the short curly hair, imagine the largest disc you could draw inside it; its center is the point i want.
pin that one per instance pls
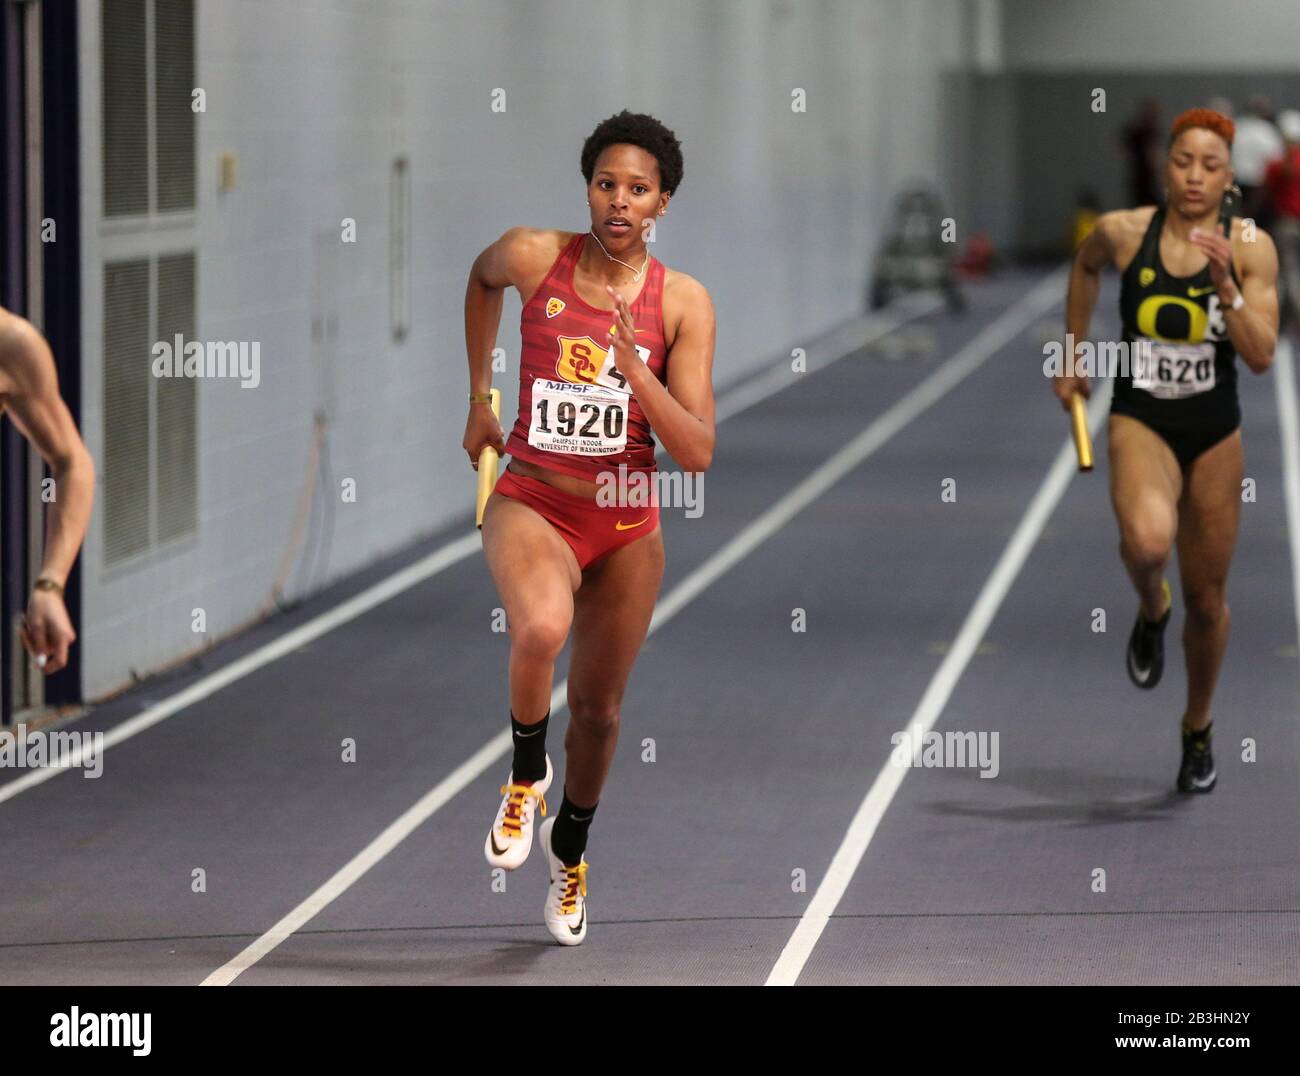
(638, 129)
(1203, 117)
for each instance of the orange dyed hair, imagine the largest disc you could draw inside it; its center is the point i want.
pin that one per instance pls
(1203, 117)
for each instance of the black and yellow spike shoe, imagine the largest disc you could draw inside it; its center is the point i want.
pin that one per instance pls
(1146, 645)
(1196, 774)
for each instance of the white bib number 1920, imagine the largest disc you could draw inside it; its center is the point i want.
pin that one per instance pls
(589, 420)
(1172, 371)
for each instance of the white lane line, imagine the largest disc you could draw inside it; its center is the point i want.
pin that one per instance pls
(842, 342)
(849, 855)
(391, 837)
(1289, 425)
(995, 335)
(998, 333)
(263, 655)
(829, 349)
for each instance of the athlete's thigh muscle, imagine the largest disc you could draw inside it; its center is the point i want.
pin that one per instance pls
(1145, 481)
(536, 572)
(1209, 512)
(611, 617)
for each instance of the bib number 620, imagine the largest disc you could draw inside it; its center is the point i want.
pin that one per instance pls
(1171, 371)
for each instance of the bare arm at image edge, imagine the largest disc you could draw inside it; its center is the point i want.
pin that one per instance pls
(33, 403)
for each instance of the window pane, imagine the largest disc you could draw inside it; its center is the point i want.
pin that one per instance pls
(126, 408)
(121, 47)
(174, 116)
(177, 403)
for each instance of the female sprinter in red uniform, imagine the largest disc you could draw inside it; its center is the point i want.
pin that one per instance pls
(614, 345)
(1199, 290)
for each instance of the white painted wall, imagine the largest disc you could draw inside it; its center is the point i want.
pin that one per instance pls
(1187, 36)
(777, 216)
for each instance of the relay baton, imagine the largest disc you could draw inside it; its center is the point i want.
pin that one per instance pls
(488, 460)
(1082, 442)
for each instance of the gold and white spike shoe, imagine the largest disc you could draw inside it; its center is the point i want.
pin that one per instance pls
(511, 837)
(566, 900)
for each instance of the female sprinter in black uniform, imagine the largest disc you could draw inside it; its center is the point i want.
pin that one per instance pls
(1200, 288)
(614, 345)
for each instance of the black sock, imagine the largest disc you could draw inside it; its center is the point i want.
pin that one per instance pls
(530, 748)
(1201, 737)
(569, 835)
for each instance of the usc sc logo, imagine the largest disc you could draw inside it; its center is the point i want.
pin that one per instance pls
(580, 360)
(1198, 319)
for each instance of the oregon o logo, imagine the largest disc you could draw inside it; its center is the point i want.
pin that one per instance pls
(1149, 311)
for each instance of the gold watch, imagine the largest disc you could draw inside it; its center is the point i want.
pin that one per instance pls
(44, 583)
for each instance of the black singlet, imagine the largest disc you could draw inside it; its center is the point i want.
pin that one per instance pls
(1190, 380)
